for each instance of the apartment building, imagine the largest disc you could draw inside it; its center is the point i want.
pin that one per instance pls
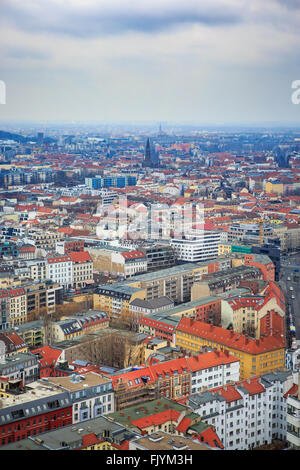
(119, 261)
(17, 371)
(293, 417)
(42, 295)
(38, 409)
(175, 282)
(44, 240)
(13, 307)
(159, 256)
(94, 434)
(252, 314)
(66, 246)
(82, 268)
(91, 395)
(200, 248)
(174, 379)
(60, 270)
(256, 357)
(248, 413)
(219, 282)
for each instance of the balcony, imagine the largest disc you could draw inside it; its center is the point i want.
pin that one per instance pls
(293, 437)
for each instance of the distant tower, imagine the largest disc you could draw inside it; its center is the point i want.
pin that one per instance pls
(151, 159)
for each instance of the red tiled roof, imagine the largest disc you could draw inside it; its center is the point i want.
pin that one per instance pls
(49, 355)
(12, 292)
(80, 256)
(134, 254)
(291, 391)
(229, 338)
(156, 419)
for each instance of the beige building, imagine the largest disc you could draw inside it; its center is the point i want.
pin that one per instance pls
(82, 266)
(45, 240)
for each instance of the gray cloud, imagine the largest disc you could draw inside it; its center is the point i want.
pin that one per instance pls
(115, 17)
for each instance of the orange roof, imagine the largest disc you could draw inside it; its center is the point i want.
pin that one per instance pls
(156, 419)
(229, 338)
(80, 256)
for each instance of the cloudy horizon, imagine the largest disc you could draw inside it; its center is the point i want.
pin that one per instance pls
(161, 60)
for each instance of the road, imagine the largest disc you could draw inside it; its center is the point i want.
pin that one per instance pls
(290, 279)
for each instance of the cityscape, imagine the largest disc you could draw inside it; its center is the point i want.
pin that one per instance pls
(149, 233)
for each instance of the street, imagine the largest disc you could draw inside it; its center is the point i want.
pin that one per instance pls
(290, 284)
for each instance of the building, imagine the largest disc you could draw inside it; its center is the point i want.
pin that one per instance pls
(141, 307)
(252, 314)
(163, 441)
(256, 357)
(200, 248)
(108, 346)
(38, 409)
(293, 417)
(91, 395)
(41, 296)
(246, 414)
(263, 262)
(44, 240)
(175, 282)
(159, 256)
(112, 181)
(17, 371)
(82, 268)
(115, 299)
(66, 246)
(60, 270)
(94, 434)
(119, 262)
(13, 307)
(151, 159)
(220, 282)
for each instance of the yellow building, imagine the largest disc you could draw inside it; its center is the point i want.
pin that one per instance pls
(115, 298)
(224, 249)
(256, 356)
(274, 187)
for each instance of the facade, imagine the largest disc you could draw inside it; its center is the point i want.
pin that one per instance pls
(200, 248)
(293, 417)
(42, 295)
(219, 282)
(112, 181)
(249, 314)
(256, 356)
(82, 268)
(248, 413)
(94, 434)
(175, 282)
(174, 379)
(159, 256)
(60, 270)
(17, 371)
(115, 299)
(140, 307)
(64, 247)
(91, 395)
(39, 409)
(13, 307)
(45, 240)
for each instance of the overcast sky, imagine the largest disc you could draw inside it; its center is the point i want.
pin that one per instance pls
(208, 61)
